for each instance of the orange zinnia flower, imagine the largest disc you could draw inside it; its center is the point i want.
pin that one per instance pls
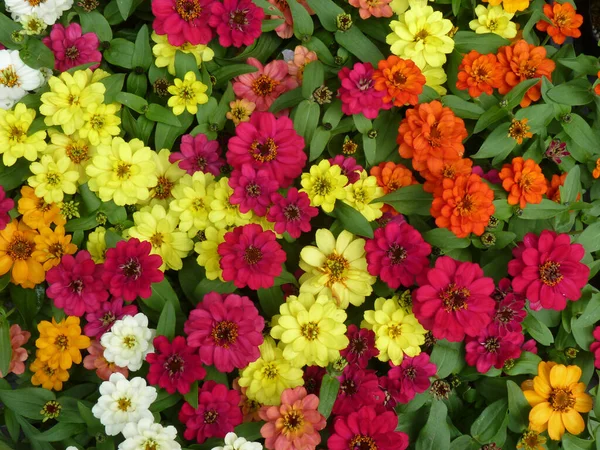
(597, 88)
(50, 246)
(565, 22)
(596, 171)
(438, 169)
(479, 73)
(17, 243)
(464, 206)
(431, 130)
(391, 176)
(36, 212)
(553, 192)
(402, 80)
(524, 182)
(522, 61)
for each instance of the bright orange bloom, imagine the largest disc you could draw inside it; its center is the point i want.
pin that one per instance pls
(17, 243)
(479, 73)
(391, 176)
(565, 22)
(464, 206)
(402, 80)
(431, 130)
(522, 61)
(553, 192)
(36, 212)
(51, 245)
(438, 169)
(48, 377)
(596, 171)
(519, 130)
(60, 344)
(524, 182)
(597, 88)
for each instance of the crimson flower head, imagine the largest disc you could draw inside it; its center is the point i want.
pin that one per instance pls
(412, 376)
(358, 387)
(71, 47)
(198, 154)
(313, 377)
(102, 320)
(130, 269)
(237, 22)
(493, 347)
(183, 21)
(6, 204)
(226, 330)
(510, 312)
(252, 189)
(291, 213)
(361, 347)
(349, 167)
(595, 347)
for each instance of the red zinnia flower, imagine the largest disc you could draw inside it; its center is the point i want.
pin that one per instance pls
(313, 377)
(75, 284)
(358, 93)
(101, 321)
(412, 376)
(349, 167)
(227, 330)
(266, 142)
(358, 387)
(217, 414)
(548, 269)
(198, 154)
(6, 204)
(455, 300)
(252, 189)
(510, 312)
(594, 347)
(361, 347)
(183, 21)
(237, 22)
(130, 269)
(492, 347)
(291, 213)
(71, 48)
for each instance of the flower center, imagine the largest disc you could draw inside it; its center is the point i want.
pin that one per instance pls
(123, 404)
(448, 172)
(264, 152)
(201, 163)
(252, 255)
(527, 71)
(253, 190)
(518, 130)
(291, 213)
(20, 248)
(505, 315)
(550, 273)
(130, 341)
(264, 85)
(561, 20)
(480, 73)
(157, 239)
(395, 331)
(399, 78)
(491, 344)
(493, 25)
(9, 77)
(151, 444)
(435, 135)
(293, 422)
(421, 35)
(526, 181)
(187, 93)
(454, 298)
(270, 371)
(322, 186)
(108, 318)
(123, 170)
(97, 121)
(348, 387)
(132, 268)
(76, 286)
(360, 195)
(364, 84)
(225, 333)
(49, 371)
(410, 373)
(561, 400)
(358, 346)
(188, 10)
(77, 152)
(16, 134)
(53, 178)
(237, 19)
(174, 364)
(465, 205)
(396, 254)
(362, 442)
(62, 342)
(163, 189)
(310, 331)
(56, 250)
(335, 266)
(72, 53)
(198, 204)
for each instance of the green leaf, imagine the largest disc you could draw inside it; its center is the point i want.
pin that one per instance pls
(313, 78)
(230, 71)
(270, 24)
(27, 301)
(544, 210)
(570, 442)
(159, 113)
(287, 100)
(7, 28)
(465, 443)
(582, 64)
(192, 396)
(538, 117)
(113, 85)
(490, 421)
(27, 402)
(162, 293)
(5, 345)
(497, 143)
(93, 424)
(327, 12)
(574, 93)
(590, 238)
(13, 176)
(516, 94)
(527, 364)
(463, 108)
(319, 142)
(138, 104)
(36, 55)
(490, 117)
(570, 190)
(96, 23)
(449, 357)
(591, 313)
(120, 53)
(111, 238)
(409, 200)
(359, 45)
(250, 430)
(465, 41)
(306, 117)
(31, 433)
(12, 426)
(205, 286)
(537, 330)
(327, 395)
(164, 400)
(518, 408)
(61, 431)
(445, 239)
(184, 63)
(429, 94)
(270, 299)
(435, 435)
(125, 8)
(580, 131)
(352, 220)
(142, 56)
(303, 23)
(167, 321)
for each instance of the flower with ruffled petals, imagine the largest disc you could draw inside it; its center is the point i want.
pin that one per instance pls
(564, 22)
(400, 79)
(324, 184)
(128, 341)
(493, 347)
(187, 94)
(437, 169)
(298, 60)
(102, 320)
(252, 189)
(361, 346)
(36, 212)
(240, 111)
(493, 19)
(17, 245)
(233, 442)
(165, 52)
(72, 48)
(236, 22)
(52, 245)
(96, 361)
(358, 388)
(412, 376)
(510, 312)
(361, 196)
(350, 168)
(358, 93)
(198, 154)
(183, 20)
(524, 182)
(146, 434)
(479, 73)
(46, 376)
(291, 213)
(557, 150)
(18, 338)
(60, 343)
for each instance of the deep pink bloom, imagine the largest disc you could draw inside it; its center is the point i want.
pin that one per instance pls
(358, 93)
(266, 84)
(510, 312)
(530, 346)
(252, 189)
(183, 20)
(391, 391)
(349, 167)
(6, 204)
(75, 284)
(491, 176)
(269, 143)
(367, 429)
(291, 212)
(412, 376)
(174, 366)
(547, 269)
(251, 257)
(198, 154)
(71, 48)
(397, 254)
(237, 22)
(388, 217)
(594, 347)
(227, 330)
(217, 414)
(101, 321)
(492, 347)
(130, 269)
(358, 387)
(454, 300)
(313, 376)
(361, 347)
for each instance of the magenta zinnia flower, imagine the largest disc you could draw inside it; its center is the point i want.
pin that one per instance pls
(252, 189)
(397, 254)
(227, 330)
(367, 429)
(265, 85)
(349, 167)
(71, 48)
(101, 321)
(361, 347)
(237, 22)
(251, 257)
(594, 347)
(412, 376)
(130, 269)
(6, 204)
(266, 142)
(75, 284)
(291, 213)
(198, 154)
(183, 20)
(510, 312)
(530, 346)
(358, 387)
(217, 414)
(358, 93)
(455, 300)
(547, 269)
(492, 347)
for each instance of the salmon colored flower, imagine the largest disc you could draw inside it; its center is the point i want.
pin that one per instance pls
(596, 171)
(565, 22)
(300, 58)
(519, 130)
(375, 8)
(18, 338)
(17, 244)
(524, 182)
(51, 245)
(438, 169)
(479, 73)
(96, 361)
(36, 212)
(401, 78)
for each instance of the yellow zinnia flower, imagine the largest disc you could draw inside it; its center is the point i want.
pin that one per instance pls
(60, 344)
(493, 19)
(311, 329)
(17, 244)
(52, 178)
(51, 245)
(435, 77)
(101, 122)
(96, 244)
(324, 184)
(557, 398)
(337, 268)
(168, 176)
(192, 198)
(14, 140)
(511, 6)
(208, 255)
(222, 214)
(361, 193)
(165, 52)
(532, 440)
(187, 94)
(79, 151)
(49, 378)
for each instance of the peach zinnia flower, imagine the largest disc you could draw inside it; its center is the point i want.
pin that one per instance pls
(298, 61)
(479, 73)
(402, 80)
(18, 338)
(464, 206)
(375, 8)
(438, 169)
(96, 361)
(522, 61)
(565, 22)
(36, 212)
(524, 182)
(295, 424)
(17, 244)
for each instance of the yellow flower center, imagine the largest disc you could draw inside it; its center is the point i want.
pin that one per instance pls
(225, 333)
(53, 178)
(310, 331)
(362, 442)
(129, 341)
(322, 186)
(123, 404)
(454, 298)
(264, 85)
(97, 122)
(123, 170)
(421, 35)
(335, 266)
(270, 371)
(518, 129)
(198, 204)
(188, 10)
(9, 77)
(73, 100)
(264, 152)
(163, 189)
(493, 25)
(20, 248)
(187, 93)
(62, 342)
(157, 239)
(77, 152)
(465, 206)
(16, 134)
(395, 331)
(211, 416)
(293, 421)
(151, 444)
(561, 400)
(561, 20)
(526, 181)
(550, 273)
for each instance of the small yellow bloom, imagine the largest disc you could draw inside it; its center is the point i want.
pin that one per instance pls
(192, 199)
(168, 176)
(49, 378)
(187, 94)
(324, 184)
(36, 212)
(361, 193)
(165, 52)
(510, 6)
(60, 344)
(96, 244)
(14, 140)
(493, 19)
(208, 255)
(531, 440)
(79, 150)
(51, 245)
(240, 110)
(53, 178)
(222, 214)
(101, 122)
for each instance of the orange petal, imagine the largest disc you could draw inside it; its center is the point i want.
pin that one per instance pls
(556, 429)
(540, 413)
(573, 422)
(558, 376)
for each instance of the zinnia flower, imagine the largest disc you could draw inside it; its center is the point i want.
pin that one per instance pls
(298, 60)
(350, 168)
(6, 204)
(96, 361)
(375, 8)
(358, 388)
(510, 312)
(401, 79)
(145, 434)
(46, 376)
(391, 176)
(233, 442)
(358, 93)
(524, 182)
(187, 94)
(511, 6)
(36, 212)
(51, 245)
(17, 245)
(48, 11)
(557, 150)
(479, 73)
(15, 140)
(53, 177)
(183, 20)
(324, 185)
(128, 341)
(565, 22)
(361, 346)
(102, 320)
(18, 338)
(60, 344)
(252, 189)
(439, 169)
(17, 77)
(291, 213)
(192, 197)
(198, 154)
(240, 111)
(493, 19)
(519, 130)
(165, 52)
(361, 196)
(412, 376)
(493, 347)
(236, 22)
(71, 47)
(594, 347)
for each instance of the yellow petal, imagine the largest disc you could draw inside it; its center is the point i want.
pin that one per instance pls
(555, 426)
(573, 422)
(541, 387)
(583, 403)
(573, 375)
(558, 376)
(540, 413)
(534, 398)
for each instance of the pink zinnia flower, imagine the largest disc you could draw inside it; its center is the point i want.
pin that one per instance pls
(455, 300)
(492, 347)
(198, 154)
(389, 216)
(349, 167)
(291, 213)
(237, 22)
(530, 346)
(75, 284)
(358, 93)
(361, 348)
(6, 204)
(183, 21)
(18, 338)
(251, 257)
(358, 387)
(130, 269)
(252, 189)
(492, 176)
(102, 320)
(96, 361)
(286, 29)
(313, 377)
(413, 376)
(266, 142)
(71, 48)
(174, 366)
(298, 60)
(391, 391)
(217, 414)
(375, 8)
(548, 269)
(397, 254)
(265, 85)
(510, 312)
(295, 424)
(367, 429)
(227, 330)
(594, 347)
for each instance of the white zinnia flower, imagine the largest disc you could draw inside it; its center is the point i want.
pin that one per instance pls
(145, 435)
(122, 401)
(232, 442)
(47, 10)
(16, 78)
(128, 341)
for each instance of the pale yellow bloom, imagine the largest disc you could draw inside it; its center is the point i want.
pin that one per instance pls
(165, 52)
(493, 19)
(168, 176)
(52, 178)
(361, 193)
(223, 214)
(15, 142)
(101, 123)
(187, 94)
(79, 150)
(192, 199)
